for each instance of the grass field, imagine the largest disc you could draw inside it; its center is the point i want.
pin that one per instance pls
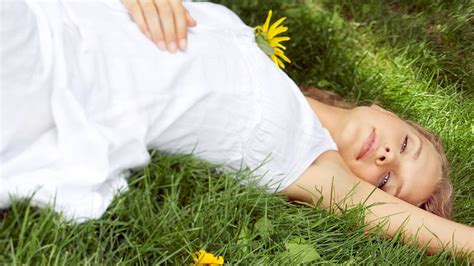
(414, 57)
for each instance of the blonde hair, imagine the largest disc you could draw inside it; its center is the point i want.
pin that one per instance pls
(441, 201)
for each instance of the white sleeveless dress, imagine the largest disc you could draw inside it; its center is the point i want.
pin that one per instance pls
(85, 95)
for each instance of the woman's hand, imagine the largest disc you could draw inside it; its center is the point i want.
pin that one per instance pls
(165, 22)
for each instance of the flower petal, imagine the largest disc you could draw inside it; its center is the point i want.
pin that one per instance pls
(267, 22)
(277, 23)
(273, 32)
(279, 45)
(204, 258)
(278, 62)
(273, 42)
(274, 59)
(281, 54)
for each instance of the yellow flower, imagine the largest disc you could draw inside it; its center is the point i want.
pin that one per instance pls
(265, 36)
(204, 258)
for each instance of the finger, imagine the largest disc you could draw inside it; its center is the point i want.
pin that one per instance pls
(167, 23)
(137, 15)
(153, 22)
(190, 21)
(181, 25)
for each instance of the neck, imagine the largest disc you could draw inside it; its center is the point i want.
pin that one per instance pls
(331, 117)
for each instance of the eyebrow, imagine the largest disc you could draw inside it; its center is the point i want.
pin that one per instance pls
(418, 152)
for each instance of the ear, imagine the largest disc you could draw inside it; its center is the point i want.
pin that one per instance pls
(381, 109)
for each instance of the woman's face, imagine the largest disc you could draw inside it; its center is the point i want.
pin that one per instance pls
(387, 152)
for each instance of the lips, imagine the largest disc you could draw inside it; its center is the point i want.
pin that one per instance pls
(368, 146)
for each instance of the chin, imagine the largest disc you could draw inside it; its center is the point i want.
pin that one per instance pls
(352, 164)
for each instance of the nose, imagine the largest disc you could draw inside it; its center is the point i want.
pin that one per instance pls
(385, 155)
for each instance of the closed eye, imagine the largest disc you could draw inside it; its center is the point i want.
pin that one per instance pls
(384, 180)
(404, 144)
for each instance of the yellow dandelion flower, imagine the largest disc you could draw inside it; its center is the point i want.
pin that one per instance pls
(203, 258)
(267, 40)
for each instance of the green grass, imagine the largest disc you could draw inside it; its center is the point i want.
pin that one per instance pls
(414, 57)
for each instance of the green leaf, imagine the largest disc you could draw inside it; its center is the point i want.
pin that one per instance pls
(366, 8)
(244, 240)
(301, 251)
(323, 83)
(263, 44)
(263, 227)
(264, 260)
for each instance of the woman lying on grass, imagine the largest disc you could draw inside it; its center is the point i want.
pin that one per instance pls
(85, 95)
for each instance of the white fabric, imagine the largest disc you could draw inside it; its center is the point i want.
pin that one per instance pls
(84, 95)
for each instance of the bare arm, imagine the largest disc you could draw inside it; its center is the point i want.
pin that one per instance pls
(334, 181)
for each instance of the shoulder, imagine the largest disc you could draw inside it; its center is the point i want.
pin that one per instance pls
(327, 171)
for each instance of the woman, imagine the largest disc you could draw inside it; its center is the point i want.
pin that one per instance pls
(85, 95)
(165, 22)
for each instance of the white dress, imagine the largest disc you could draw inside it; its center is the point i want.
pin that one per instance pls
(85, 96)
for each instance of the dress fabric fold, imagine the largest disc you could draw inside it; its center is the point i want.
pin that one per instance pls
(85, 96)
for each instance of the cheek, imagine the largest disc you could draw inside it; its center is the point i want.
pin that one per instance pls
(346, 155)
(366, 172)
(419, 190)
